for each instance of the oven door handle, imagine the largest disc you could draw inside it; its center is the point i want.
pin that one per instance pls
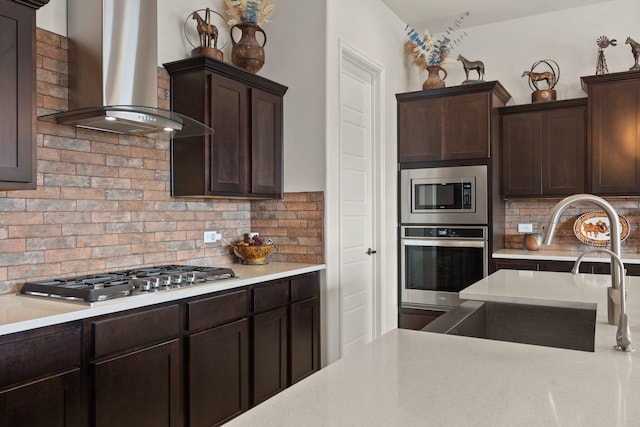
(445, 243)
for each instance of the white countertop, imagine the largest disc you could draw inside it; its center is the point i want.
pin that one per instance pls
(555, 255)
(20, 313)
(415, 378)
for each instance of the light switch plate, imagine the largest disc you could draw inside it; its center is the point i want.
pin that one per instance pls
(525, 228)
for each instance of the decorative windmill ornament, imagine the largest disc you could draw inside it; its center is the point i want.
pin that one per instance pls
(603, 42)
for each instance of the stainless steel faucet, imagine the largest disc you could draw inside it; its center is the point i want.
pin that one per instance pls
(623, 335)
(616, 304)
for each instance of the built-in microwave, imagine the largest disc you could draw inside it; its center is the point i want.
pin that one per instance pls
(444, 195)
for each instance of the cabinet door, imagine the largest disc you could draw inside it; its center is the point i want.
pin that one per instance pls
(419, 130)
(521, 149)
(615, 138)
(522, 264)
(266, 143)
(465, 129)
(229, 154)
(17, 74)
(140, 389)
(269, 354)
(54, 401)
(218, 374)
(305, 339)
(563, 151)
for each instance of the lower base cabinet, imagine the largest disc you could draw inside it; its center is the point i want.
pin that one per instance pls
(195, 362)
(47, 402)
(140, 389)
(304, 339)
(415, 319)
(41, 378)
(218, 374)
(270, 360)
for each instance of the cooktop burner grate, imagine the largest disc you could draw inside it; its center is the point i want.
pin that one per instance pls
(139, 281)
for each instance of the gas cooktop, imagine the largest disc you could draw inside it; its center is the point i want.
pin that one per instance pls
(104, 286)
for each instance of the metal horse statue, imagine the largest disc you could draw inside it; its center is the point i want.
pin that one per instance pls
(206, 31)
(635, 50)
(472, 65)
(537, 77)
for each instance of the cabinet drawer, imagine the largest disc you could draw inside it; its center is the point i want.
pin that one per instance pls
(28, 355)
(270, 296)
(303, 287)
(209, 312)
(135, 330)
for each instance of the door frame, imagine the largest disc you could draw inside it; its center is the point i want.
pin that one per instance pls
(332, 255)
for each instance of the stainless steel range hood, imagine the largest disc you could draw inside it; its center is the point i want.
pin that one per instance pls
(113, 70)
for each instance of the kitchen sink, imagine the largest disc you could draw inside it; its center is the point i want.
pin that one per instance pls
(561, 327)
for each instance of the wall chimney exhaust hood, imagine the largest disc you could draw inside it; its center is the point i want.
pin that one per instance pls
(113, 71)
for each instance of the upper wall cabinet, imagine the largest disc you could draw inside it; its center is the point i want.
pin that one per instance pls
(614, 132)
(544, 148)
(17, 94)
(448, 124)
(243, 158)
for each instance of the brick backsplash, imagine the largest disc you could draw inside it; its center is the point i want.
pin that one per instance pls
(295, 224)
(537, 212)
(103, 201)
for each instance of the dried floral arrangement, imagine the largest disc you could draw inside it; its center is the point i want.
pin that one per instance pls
(248, 11)
(426, 51)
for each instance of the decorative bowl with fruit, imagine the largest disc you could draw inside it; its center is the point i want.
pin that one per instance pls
(254, 250)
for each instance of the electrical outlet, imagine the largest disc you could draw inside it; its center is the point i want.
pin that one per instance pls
(212, 236)
(525, 228)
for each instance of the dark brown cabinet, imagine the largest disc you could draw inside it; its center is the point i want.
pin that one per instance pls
(270, 326)
(141, 388)
(243, 158)
(17, 94)
(218, 358)
(135, 366)
(41, 378)
(557, 266)
(269, 354)
(614, 133)
(304, 327)
(544, 149)
(218, 374)
(415, 319)
(448, 124)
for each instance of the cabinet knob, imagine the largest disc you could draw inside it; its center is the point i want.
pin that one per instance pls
(371, 252)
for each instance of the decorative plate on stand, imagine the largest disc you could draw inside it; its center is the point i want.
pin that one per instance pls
(592, 228)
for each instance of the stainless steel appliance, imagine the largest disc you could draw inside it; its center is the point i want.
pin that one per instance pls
(104, 286)
(437, 262)
(445, 195)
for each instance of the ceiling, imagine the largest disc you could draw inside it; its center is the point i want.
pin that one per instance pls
(437, 15)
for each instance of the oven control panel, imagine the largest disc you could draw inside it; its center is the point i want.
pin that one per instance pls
(427, 232)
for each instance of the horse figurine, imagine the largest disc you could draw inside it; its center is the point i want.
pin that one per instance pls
(206, 31)
(635, 50)
(534, 77)
(472, 65)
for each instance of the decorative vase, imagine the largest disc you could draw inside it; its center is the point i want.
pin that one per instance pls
(247, 53)
(434, 81)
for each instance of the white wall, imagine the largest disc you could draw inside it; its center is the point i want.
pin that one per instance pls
(568, 37)
(295, 57)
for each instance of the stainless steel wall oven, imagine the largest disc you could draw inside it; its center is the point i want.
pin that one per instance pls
(438, 262)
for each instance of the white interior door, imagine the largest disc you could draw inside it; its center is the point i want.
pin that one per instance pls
(358, 288)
